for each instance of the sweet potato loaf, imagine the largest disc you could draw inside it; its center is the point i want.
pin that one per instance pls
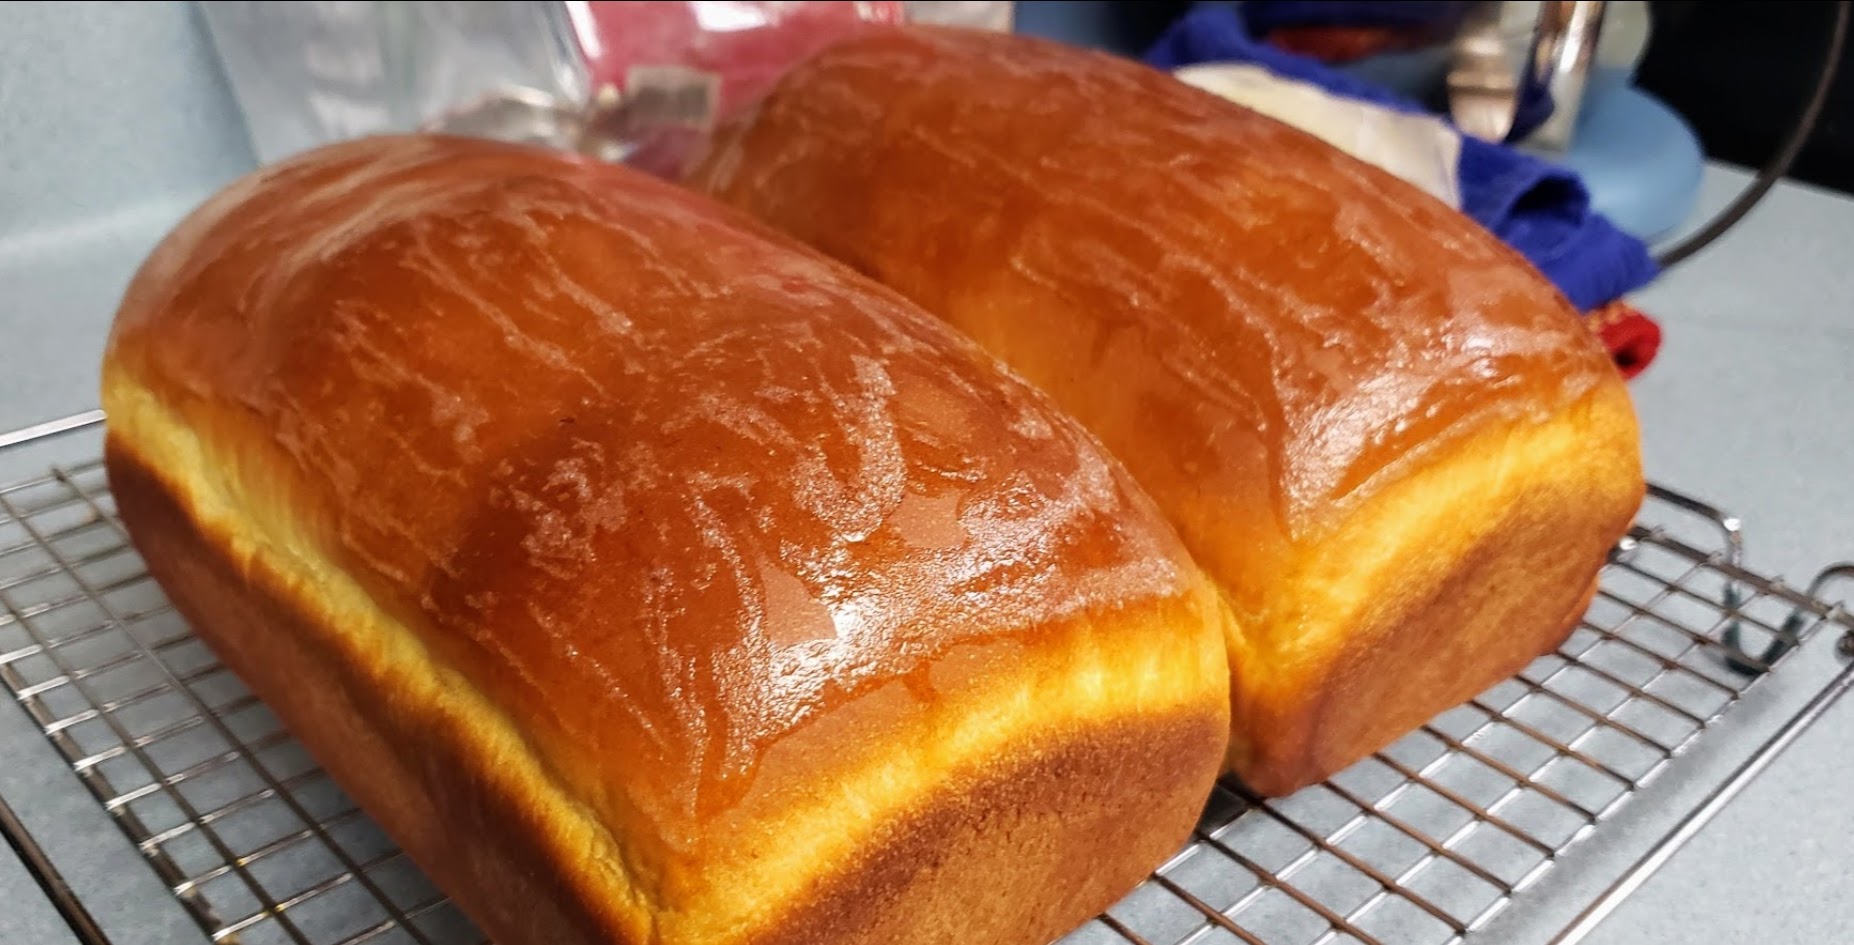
(653, 581)
(1384, 435)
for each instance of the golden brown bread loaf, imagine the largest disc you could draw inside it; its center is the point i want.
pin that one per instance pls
(1384, 435)
(652, 581)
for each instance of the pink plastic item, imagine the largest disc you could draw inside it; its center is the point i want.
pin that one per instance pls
(679, 69)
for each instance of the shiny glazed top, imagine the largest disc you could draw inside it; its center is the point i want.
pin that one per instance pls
(1263, 328)
(666, 490)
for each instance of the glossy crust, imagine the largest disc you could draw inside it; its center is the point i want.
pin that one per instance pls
(652, 581)
(1383, 434)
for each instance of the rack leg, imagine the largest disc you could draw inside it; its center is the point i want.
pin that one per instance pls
(1715, 802)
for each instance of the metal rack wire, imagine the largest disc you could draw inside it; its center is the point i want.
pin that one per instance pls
(1422, 844)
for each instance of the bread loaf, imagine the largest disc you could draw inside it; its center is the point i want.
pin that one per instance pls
(1383, 434)
(653, 581)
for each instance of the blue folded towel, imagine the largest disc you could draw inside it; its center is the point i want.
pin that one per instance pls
(1538, 208)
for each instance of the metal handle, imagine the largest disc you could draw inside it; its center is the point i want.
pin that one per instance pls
(1563, 49)
(1489, 80)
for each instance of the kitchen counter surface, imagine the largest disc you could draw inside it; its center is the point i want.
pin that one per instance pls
(28, 916)
(1748, 408)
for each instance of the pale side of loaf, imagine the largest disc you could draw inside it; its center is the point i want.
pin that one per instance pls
(652, 581)
(1385, 435)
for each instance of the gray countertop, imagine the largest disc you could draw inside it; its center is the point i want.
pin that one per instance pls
(1745, 408)
(28, 916)
(1748, 408)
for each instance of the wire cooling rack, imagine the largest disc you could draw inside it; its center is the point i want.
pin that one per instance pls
(1430, 842)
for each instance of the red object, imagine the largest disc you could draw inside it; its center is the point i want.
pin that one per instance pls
(1338, 44)
(1632, 338)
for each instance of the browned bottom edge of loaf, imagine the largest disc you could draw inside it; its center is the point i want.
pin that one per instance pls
(1308, 767)
(1016, 853)
(1512, 595)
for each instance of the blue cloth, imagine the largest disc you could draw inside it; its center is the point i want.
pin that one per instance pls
(1538, 208)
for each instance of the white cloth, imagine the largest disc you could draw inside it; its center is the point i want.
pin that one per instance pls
(1421, 149)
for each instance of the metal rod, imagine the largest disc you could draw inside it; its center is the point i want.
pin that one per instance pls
(1715, 802)
(1728, 524)
(50, 428)
(82, 924)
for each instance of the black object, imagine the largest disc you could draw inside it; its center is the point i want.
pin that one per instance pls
(1793, 143)
(1736, 72)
